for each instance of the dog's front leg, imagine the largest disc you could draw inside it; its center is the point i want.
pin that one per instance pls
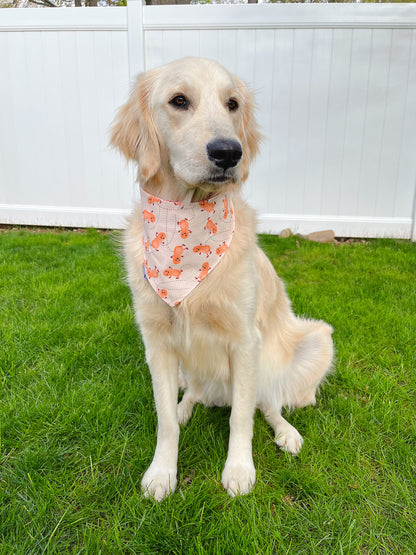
(239, 474)
(160, 478)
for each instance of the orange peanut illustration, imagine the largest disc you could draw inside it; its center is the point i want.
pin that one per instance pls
(205, 249)
(171, 272)
(160, 237)
(152, 273)
(204, 271)
(149, 216)
(221, 249)
(153, 200)
(225, 208)
(184, 225)
(177, 253)
(208, 206)
(211, 226)
(162, 293)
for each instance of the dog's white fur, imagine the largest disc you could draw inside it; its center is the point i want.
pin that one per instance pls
(234, 340)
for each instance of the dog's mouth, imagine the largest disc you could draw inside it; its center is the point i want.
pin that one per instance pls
(214, 179)
(214, 184)
(220, 177)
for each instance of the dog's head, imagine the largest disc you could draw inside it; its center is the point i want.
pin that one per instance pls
(190, 121)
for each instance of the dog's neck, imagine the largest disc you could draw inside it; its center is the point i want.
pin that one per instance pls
(165, 185)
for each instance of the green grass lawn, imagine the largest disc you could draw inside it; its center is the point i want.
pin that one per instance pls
(78, 422)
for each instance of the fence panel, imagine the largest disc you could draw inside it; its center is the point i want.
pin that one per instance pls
(336, 91)
(66, 71)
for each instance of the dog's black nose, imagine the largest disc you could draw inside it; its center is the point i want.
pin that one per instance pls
(225, 153)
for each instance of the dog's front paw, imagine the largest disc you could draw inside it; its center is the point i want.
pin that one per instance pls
(158, 482)
(289, 439)
(238, 479)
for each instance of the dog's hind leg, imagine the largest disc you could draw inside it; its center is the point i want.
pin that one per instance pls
(296, 384)
(286, 436)
(185, 407)
(191, 396)
(311, 362)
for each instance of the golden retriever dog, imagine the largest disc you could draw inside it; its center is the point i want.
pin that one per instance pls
(229, 337)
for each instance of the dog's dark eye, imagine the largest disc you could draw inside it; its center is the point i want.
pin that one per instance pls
(180, 102)
(232, 105)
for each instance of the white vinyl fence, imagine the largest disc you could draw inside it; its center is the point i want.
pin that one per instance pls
(336, 91)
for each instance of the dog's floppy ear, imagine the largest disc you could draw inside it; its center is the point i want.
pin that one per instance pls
(133, 131)
(249, 134)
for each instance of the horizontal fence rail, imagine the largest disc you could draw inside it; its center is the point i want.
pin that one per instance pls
(335, 86)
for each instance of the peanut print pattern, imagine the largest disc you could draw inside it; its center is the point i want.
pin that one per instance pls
(153, 200)
(176, 235)
(149, 216)
(184, 229)
(225, 208)
(171, 272)
(202, 249)
(152, 273)
(177, 253)
(211, 226)
(222, 249)
(207, 206)
(158, 240)
(204, 271)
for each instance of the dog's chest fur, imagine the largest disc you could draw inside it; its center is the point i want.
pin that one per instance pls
(203, 328)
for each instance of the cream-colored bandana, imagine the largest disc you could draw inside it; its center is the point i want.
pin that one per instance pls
(183, 242)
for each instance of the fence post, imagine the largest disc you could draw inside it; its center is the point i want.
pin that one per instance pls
(413, 228)
(135, 37)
